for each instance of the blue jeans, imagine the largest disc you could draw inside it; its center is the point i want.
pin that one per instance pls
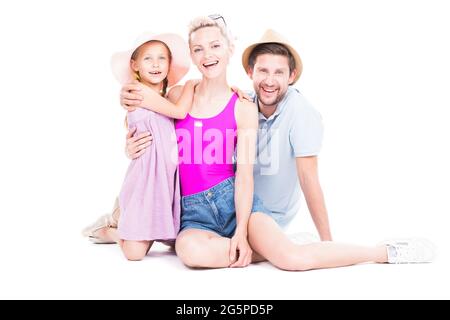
(214, 210)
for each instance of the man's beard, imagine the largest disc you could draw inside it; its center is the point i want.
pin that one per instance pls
(272, 102)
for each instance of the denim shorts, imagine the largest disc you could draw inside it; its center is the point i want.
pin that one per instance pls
(214, 209)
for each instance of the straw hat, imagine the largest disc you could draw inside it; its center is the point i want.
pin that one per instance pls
(271, 36)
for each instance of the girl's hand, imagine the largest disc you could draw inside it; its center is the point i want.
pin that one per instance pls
(241, 94)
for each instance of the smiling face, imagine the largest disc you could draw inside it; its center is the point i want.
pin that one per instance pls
(210, 51)
(151, 61)
(271, 78)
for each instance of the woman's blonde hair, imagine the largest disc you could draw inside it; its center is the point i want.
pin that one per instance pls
(204, 22)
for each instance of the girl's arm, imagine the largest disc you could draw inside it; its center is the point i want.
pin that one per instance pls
(247, 123)
(154, 102)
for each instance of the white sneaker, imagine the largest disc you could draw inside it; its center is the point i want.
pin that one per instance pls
(302, 238)
(412, 250)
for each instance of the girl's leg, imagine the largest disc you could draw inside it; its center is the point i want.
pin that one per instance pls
(107, 234)
(203, 249)
(135, 250)
(116, 211)
(266, 238)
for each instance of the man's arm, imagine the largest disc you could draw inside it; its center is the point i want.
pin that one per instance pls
(307, 170)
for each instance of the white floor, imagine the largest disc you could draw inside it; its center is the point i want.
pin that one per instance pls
(73, 268)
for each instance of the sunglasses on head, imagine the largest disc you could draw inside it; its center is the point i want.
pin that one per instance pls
(217, 17)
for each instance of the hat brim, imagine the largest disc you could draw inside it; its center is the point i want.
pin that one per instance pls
(179, 66)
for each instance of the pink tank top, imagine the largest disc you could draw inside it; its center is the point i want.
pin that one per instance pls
(206, 149)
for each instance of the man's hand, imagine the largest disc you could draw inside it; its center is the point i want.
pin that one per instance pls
(130, 97)
(137, 145)
(241, 94)
(240, 244)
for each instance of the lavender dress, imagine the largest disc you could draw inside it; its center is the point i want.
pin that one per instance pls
(150, 197)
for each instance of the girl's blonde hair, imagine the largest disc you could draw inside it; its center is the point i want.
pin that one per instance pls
(204, 22)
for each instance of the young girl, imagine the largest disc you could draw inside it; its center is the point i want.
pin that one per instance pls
(149, 201)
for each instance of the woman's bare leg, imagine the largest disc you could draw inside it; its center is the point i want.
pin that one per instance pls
(203, 249)
(266, 238)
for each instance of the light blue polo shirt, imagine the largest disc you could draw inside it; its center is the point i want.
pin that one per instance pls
(294, 130)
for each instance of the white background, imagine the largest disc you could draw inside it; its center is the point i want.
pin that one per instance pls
(378, 71)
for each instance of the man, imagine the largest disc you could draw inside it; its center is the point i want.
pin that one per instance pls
(291, 134)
